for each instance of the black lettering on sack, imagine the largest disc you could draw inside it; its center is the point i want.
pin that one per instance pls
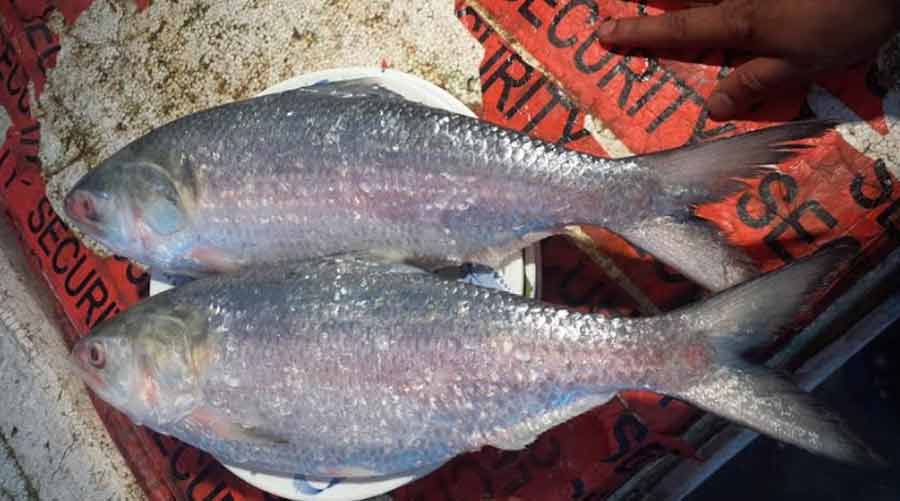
(524, 10)
(220, 486)
(201, 476)
(477, 23)
(466, 464)
(110, 310)
(509, 81)
(792, 221)
(626, 429)
(59, 266)
(491, 61)
(9, 81)
(785, 181)
(889, 218)
(37, 217)
(30, 141)
(630, 76)
(555, 99)
(138, 277)
(588, 68)
(41, 29)
(553, 30)
(885, 185)
(50, 231)
(665, 400)
(569, 133)
(649, 95)
(700, 131)
(45, 55)
(23, 105)
(31, 128)
(8, 58)
(685, 93)
(622, 67)
(526, 97)
(74, 290)
(95, 297)
(135, 275)
(13, 174)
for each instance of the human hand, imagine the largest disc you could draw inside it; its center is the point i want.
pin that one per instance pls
(794, 41)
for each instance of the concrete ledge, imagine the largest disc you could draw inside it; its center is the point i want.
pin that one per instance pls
(52, 445)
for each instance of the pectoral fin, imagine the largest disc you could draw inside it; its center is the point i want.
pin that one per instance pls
(214, 259)
(224, 427)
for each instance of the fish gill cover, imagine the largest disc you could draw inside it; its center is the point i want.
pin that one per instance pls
(544, 73)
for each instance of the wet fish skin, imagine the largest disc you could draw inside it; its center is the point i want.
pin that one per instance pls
(322, 171)
(344, 367)
(696, 249)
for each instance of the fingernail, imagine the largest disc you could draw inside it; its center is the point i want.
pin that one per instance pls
(720, 106)
(604, 31)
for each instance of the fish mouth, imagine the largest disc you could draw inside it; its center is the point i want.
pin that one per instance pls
(80, 207)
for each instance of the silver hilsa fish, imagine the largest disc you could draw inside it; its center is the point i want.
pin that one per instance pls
(352, 167)
(352, 367)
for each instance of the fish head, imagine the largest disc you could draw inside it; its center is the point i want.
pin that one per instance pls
(146, 365)
(134, 207)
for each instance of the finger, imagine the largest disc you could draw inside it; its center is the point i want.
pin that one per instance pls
(730, 25)
(751, 82)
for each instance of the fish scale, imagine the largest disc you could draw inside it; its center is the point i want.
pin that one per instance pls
(353, 367)
(350, 167)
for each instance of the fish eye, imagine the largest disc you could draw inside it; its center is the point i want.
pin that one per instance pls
(89, 209)
(95, 356)
(82, 205)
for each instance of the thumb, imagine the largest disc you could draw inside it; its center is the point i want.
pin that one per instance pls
(752, 82)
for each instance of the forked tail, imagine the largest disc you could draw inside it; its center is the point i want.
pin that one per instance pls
(707, 172)
(754, 396)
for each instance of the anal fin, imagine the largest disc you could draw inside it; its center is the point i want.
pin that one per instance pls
(525, 432)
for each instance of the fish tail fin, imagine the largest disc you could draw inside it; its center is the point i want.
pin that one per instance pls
(709, 171)
(755, 396)
(695, 248)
